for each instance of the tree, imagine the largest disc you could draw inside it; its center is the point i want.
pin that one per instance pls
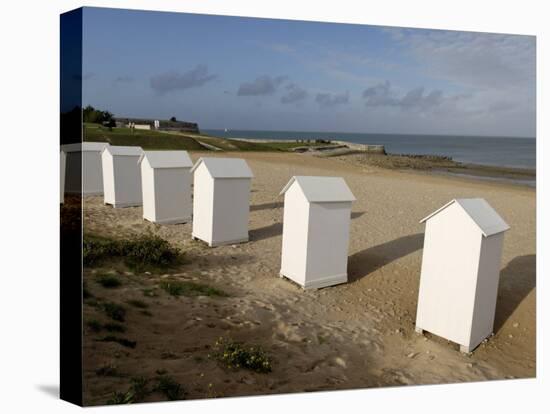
(173, 119)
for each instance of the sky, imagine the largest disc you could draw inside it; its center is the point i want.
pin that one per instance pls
(267, 74)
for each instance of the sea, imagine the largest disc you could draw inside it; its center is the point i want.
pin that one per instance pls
(493, 151)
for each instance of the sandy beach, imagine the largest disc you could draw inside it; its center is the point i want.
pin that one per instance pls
(356, 335)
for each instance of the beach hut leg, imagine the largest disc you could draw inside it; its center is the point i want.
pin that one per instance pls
(465, 349)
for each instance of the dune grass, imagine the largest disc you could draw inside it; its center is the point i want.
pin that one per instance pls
(140, 253)
(237, 355)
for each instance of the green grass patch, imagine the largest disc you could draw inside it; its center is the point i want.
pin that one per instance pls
(180, 288)
(137, 391)
(136, 303)
(114, 311)
(237, 355)
(139, 253)
(122, 341)
(148, 140)
(170, 388)
(108, 280)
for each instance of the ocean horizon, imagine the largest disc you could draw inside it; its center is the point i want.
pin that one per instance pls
(516, 152)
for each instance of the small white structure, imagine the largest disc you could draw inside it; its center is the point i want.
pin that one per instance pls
(166, 186)
(62, 163)
(460, 272)
(122, 176)
(316, 224)
(221, 200)
(83, 170)
(142, 126)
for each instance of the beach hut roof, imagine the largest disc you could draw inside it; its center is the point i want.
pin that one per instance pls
(225, 167)
(124, 151)
(167, 159)
(84, 146)
(479, 210)
(322, 189)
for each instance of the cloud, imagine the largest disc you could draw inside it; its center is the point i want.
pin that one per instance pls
(379, 95)
(382, 95)
(480, 60)
(172, 81)
(124, 79)
(294, 94)
(327, 100)
(264, 85)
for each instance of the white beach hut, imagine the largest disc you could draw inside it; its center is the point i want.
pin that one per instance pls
(221, 200)
(83, 171)
(62, 163)
(122, 176)
(166, 186)
(316, 225)
(460, 272)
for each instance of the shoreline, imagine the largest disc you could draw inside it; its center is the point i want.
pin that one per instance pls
(438, 164)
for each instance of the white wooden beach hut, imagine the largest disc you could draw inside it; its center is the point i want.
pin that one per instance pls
(221, 200)
(83, 171)
(122, 176)
(316, 225)
(460, 272)
(62, 163)
(166, 186)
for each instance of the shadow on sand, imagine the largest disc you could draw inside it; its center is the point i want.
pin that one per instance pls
(357, 214)
(275, 229)
(266, 206)
(517, 280)
(367, 261)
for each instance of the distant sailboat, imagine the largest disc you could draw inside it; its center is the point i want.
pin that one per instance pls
(225, 130)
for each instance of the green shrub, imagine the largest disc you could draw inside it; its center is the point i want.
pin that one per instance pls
(114, 311)
(108, 280)
(95, 249)
(139, 252)
(237, 355)
(170, 388)
(149, 250)
(179, 288)
(137, 392)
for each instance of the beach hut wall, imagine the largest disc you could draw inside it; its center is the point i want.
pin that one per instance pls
(122, 176)
(460, 272)
(83, 171)
(166, 186)
(317, 212)
(221, 200)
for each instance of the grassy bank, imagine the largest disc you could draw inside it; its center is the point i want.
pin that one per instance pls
(160, 140)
